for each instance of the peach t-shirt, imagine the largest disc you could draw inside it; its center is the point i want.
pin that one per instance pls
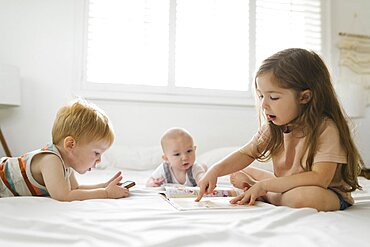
(287, 162)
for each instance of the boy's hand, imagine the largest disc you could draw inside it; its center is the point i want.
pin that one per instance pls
(114, 190)
(113, 178)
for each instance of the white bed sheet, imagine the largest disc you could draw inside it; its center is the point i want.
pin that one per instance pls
(145, 219)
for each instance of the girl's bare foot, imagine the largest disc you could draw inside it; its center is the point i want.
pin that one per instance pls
(240, 180)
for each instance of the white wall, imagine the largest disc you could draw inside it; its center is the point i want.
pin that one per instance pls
(352, 17)
(38, 37)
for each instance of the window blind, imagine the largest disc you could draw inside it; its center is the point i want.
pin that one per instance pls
(206, 44)
(127, 42)
(282, 24)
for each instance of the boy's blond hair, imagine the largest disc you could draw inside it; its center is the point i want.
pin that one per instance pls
(173, 133)
(83, 121)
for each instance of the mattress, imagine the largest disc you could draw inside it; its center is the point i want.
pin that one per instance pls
(145, 219)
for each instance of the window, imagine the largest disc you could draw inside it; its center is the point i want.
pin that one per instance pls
(199, 51)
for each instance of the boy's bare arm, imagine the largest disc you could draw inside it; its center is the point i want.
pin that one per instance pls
(75, 185)
(57, 186)
(92, 186)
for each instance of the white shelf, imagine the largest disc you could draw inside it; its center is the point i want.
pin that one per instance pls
(10, 86)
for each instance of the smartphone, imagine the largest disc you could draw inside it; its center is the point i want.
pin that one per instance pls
(128, 184)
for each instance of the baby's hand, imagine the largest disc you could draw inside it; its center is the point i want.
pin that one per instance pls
(114, 190)
(155, 182)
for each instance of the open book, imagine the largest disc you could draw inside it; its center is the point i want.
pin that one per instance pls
(183, 197)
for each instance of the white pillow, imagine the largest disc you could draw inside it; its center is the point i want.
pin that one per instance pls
(214, 155)
(133, 158)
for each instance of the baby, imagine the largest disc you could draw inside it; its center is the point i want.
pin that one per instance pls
(178, 166)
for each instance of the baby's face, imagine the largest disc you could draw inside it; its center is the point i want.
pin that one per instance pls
(85, 156)
(180, 152)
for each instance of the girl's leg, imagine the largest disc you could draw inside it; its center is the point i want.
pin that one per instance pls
(241, 180)
(306, 197)
(248, 176)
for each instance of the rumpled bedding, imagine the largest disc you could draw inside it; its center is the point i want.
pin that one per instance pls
(145, 219)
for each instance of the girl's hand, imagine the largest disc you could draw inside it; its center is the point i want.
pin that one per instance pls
(250, 195)
(206, 185)
(114, 190)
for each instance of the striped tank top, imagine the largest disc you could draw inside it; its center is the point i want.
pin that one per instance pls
(16, 178)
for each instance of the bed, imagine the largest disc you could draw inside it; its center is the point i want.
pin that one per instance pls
(145, 219)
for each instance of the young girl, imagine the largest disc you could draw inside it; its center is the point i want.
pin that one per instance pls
(304, 132)
(81, 134)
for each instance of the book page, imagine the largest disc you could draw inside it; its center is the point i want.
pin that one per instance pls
(205, 203)
(180, 191)
(183, 197)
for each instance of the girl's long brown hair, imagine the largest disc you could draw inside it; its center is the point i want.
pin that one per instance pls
(299, 69)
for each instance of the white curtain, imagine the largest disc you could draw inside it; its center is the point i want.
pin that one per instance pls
(355, 52)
